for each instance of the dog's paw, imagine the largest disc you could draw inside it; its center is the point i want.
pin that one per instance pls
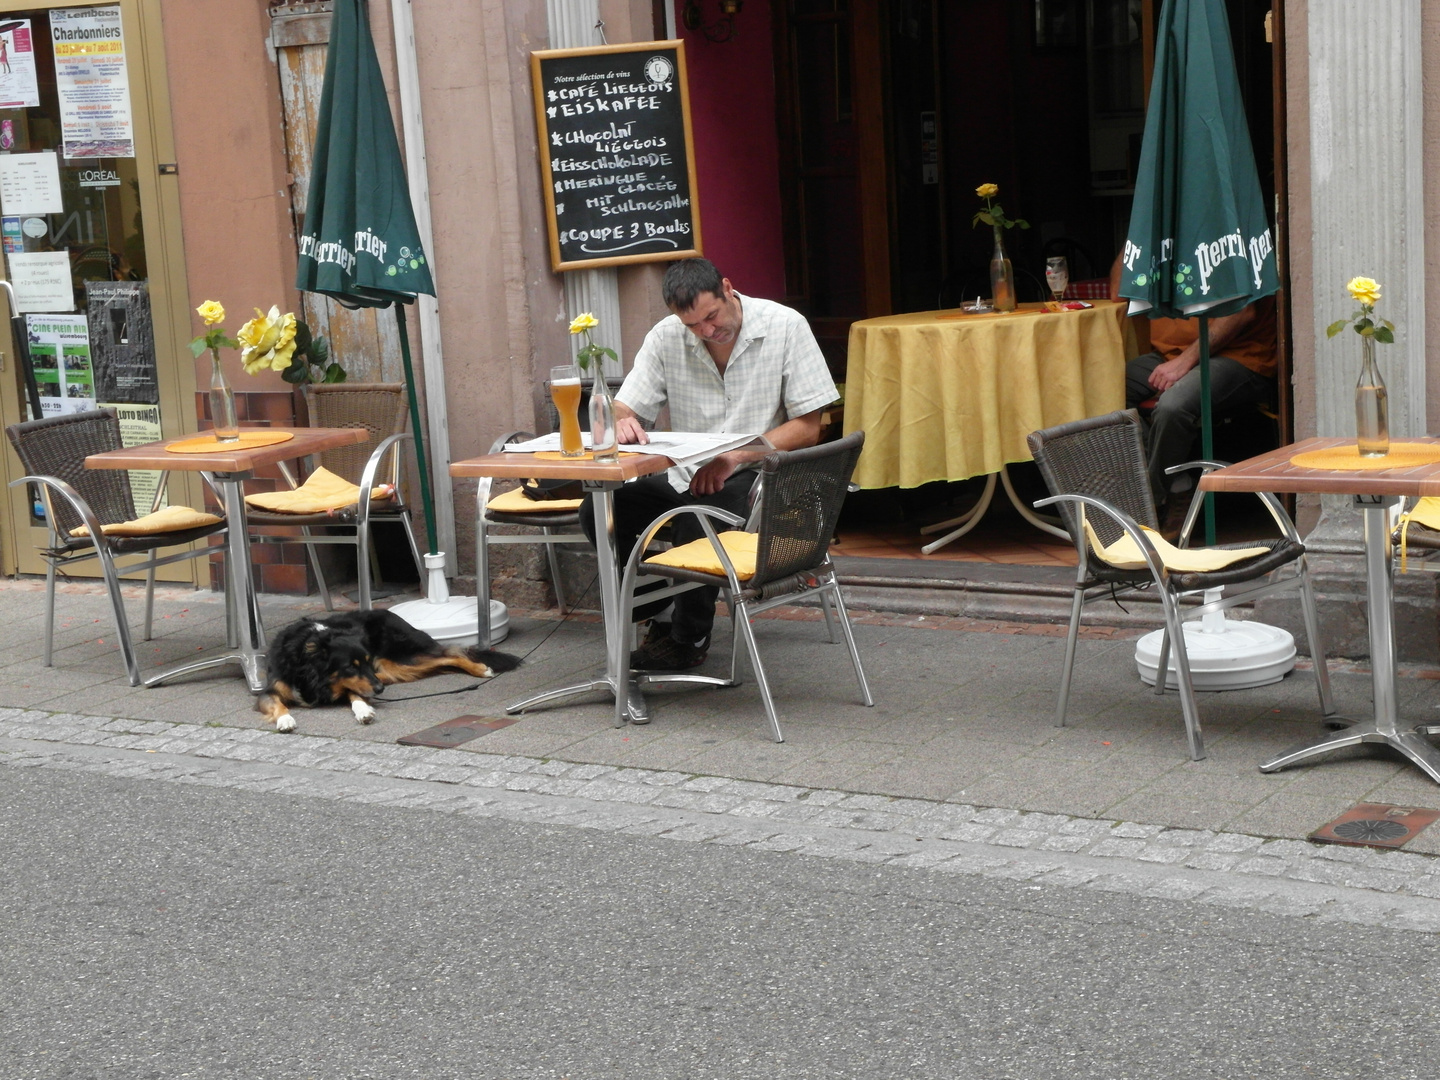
(363, 711)
(285, 722)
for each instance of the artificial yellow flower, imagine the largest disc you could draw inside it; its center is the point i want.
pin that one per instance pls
(268, 341)
(1365, 290)
(582, 322)
(211, 312)
(986, 190)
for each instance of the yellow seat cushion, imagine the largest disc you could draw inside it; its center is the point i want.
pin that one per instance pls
(516, 502)
(1125, 554)
(700, 555)
(322, 491)
(1425, 512)
(171, 519)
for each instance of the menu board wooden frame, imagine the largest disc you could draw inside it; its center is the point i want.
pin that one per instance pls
(642, 50)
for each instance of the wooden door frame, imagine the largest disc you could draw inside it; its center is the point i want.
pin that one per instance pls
(867, 81)
(169, 294)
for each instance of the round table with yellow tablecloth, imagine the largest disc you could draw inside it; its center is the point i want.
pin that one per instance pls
(946, 396)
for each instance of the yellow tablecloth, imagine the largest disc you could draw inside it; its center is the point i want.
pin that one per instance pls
(946, 398)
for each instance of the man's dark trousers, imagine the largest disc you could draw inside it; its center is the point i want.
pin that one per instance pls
(640, 502)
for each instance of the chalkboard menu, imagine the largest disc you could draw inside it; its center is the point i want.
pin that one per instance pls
(616, 154)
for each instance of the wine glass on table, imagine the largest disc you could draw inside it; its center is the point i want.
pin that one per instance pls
(1057, 276)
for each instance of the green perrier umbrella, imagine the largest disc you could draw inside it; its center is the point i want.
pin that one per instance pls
(361, 245)
(1199, 241)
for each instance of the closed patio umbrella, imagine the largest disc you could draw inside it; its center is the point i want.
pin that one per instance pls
(1199, 242)
(360, 243)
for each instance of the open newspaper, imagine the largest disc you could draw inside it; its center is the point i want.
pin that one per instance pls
(681, 447)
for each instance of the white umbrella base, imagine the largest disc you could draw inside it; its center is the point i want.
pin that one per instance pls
(1224, 655)
(454, 621)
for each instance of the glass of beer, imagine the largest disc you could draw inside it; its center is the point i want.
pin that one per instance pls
(565, 392)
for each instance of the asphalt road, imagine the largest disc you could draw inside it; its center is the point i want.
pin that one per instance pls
(163, 930)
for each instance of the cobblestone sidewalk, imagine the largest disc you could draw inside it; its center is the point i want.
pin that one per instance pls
(1289, 877)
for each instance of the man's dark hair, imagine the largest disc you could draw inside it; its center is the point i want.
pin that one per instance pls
(686, 280)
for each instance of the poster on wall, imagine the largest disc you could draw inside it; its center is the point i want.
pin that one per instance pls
(42, 280)
(60, 357)
(122, 341)
(92, 82)
(30, 184)
(140, 424)
(19, 89)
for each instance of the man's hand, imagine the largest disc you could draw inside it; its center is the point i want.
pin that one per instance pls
(629, 430)
(1169, 373)
(712, 475)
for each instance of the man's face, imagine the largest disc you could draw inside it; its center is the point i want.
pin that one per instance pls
(714, 319)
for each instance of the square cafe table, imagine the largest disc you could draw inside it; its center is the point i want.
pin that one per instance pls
(599, 479)
(1376, 492)
(229, 469)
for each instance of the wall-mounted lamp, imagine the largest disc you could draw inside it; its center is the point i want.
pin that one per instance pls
(722, 29)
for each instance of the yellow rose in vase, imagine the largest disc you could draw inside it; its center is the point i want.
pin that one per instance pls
(986, 190)
(268, 341)
(211, 312)
(1365, 290)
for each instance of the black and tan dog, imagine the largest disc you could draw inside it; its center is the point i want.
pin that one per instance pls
(350, 657)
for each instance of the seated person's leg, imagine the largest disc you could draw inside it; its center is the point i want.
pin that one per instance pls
(636, 505)
(1173, 424)
(1137, 378)
(695, 610)
(1176, 418)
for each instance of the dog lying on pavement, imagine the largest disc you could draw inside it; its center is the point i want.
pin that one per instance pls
(350, 657)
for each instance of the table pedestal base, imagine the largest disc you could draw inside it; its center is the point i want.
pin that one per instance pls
(247, 633)
(971, 517)
(1412, 744)
(251, 663)
(636, 711)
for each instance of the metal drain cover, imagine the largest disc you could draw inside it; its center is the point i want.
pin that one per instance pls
(1376, 825)
(459, 730)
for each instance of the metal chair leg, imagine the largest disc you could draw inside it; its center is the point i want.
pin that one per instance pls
(362, 565)
(482, 579)
(414, 547)
(313, 554)
(760, 679)
(122, 623)
(734, 643)
(1163, 672)
(1188, 707)
(1070, 639)
(844, 618)
(555, 571)
(150, 595)
(49, 610)
(829, 622)
(1313, 639)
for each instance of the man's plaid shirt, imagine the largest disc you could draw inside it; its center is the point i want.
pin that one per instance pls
(776, 373)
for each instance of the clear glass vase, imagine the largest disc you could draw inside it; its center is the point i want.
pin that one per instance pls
(604, 442)
(1002, 275)
(1372, 405)
(222, 402)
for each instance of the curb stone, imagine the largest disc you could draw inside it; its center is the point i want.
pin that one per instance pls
(1400, 890)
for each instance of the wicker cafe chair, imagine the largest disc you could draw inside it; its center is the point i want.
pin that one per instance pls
(800, 503)
(381, 408)
(549, 522)
(53, 453)
(1095, 470)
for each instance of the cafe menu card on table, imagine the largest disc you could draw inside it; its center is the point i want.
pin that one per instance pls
(681, 447)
